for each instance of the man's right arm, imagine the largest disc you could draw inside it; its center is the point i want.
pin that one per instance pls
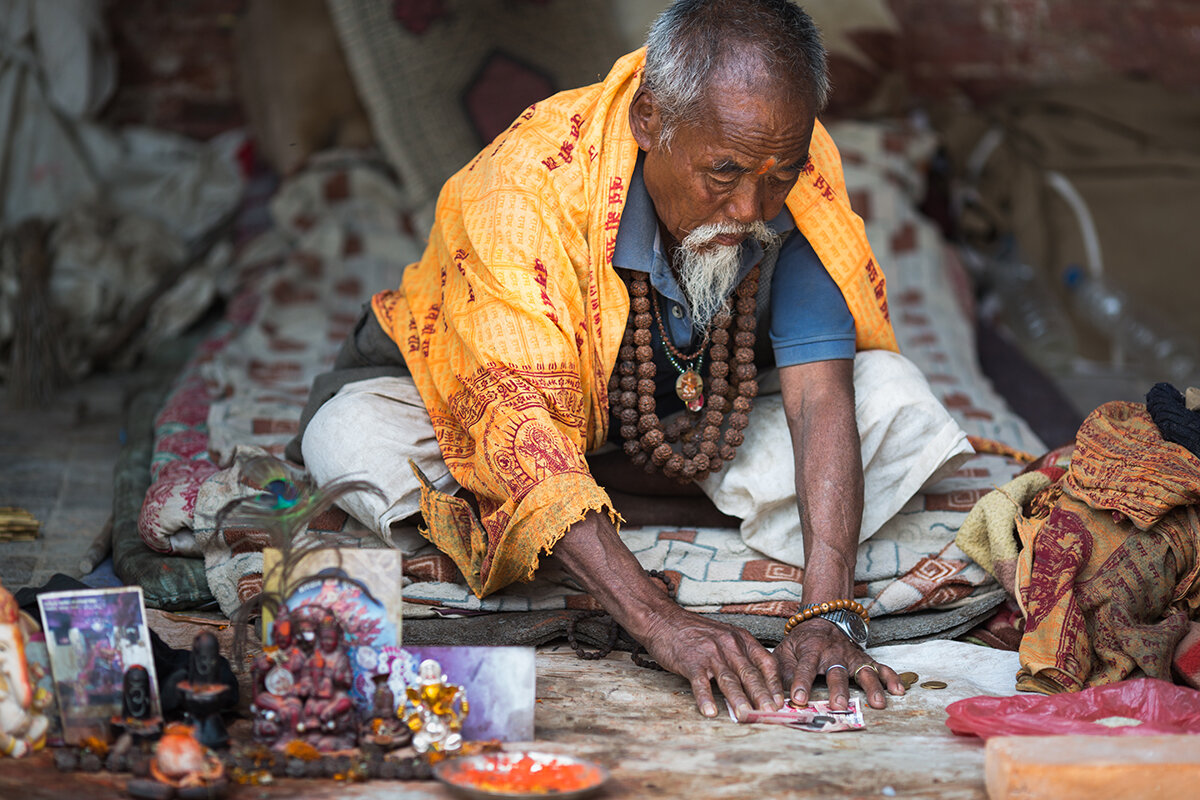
(699, 649)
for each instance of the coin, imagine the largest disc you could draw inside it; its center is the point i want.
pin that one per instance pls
(933, 685)
(908, 678)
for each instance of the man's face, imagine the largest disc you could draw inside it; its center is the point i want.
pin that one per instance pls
(737, 166)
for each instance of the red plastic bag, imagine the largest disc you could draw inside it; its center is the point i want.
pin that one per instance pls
(1129, 708)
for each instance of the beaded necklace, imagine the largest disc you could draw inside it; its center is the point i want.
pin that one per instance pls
(731, 391)
(689, 386)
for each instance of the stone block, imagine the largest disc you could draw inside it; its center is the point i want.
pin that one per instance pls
(1087, 767)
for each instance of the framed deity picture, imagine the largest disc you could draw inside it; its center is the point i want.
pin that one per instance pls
(92, 637)
(360, 588)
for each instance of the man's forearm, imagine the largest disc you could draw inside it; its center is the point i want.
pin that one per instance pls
(829, 490)
(819, 399)
(593, 553)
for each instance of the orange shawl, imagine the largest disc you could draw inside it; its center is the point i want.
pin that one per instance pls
(511, 320)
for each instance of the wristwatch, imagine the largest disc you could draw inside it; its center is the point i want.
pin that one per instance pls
(848, 623)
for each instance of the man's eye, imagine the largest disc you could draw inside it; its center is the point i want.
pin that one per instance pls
(723, 179)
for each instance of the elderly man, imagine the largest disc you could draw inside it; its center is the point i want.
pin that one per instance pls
(596, 290)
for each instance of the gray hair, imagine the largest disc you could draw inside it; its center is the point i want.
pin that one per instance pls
(691, 42)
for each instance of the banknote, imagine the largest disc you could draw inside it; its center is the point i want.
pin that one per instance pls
(815, 716)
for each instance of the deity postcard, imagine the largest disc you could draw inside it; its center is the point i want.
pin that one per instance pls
(92, 637)
(499, 684)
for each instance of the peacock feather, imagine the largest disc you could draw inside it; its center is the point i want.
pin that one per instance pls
(281, 502)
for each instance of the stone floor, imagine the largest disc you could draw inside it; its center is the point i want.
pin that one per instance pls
(57, 459)
(642, 727)
(56, 462)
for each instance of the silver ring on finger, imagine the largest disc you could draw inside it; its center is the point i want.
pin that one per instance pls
(832, 667)
(869, 666)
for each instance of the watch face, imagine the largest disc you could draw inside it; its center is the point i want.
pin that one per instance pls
(858, 628)
(850, 624)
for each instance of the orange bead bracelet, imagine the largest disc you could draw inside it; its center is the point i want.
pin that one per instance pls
(817, 609)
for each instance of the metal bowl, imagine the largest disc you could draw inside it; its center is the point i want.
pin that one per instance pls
(455, 773)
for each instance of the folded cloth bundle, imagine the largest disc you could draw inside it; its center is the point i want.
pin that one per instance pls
(1108, 574)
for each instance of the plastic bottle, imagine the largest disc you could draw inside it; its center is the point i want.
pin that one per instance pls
(1031, 310)
(1144, 345)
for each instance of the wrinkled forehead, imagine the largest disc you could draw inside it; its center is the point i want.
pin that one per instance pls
(756, 133)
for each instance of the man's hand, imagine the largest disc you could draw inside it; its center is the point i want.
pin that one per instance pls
(816, 647)
(688, 644)
(703, 650)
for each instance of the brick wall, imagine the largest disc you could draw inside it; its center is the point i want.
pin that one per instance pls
(979, 47)
(175, 62)
(177, 68)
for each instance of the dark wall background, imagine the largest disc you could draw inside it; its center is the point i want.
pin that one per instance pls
(177, 72)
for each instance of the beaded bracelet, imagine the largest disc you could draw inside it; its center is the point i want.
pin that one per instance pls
(817, 609)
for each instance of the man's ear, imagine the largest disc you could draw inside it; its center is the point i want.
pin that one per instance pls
(644, 119)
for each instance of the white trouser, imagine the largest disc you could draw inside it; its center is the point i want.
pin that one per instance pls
(372, 428)
(369, 431)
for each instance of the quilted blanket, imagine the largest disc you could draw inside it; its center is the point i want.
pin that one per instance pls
(341, 230)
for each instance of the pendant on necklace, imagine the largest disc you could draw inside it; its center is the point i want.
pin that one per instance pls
(689, 386)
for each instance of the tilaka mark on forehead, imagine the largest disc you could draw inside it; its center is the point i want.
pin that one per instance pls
(767, 165)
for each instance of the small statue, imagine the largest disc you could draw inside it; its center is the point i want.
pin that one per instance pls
(383, 729)
(205, 694)
(181, 763)
(277, 706)
(23, 726)
(435, 720)
(137, 717)
(329, 721)
(306, 634)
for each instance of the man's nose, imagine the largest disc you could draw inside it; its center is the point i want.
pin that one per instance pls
(746, 203)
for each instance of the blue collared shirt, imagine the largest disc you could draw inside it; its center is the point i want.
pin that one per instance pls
(809, 319)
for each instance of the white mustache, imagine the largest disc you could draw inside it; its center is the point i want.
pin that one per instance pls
(702, 237)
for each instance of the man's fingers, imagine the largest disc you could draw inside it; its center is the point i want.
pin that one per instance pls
(760, 677)
(769, 667)
(837, 678)
(803, 676)
(731, 686)
(869, 680)
(891, 680)
(702, 691)
(785, 658)
(757, 686)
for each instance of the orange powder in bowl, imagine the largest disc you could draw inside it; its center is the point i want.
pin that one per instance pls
(529, 776)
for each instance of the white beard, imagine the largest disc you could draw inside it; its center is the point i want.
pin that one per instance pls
(708, 272)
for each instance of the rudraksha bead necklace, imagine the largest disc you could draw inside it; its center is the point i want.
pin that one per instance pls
(631, 389)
